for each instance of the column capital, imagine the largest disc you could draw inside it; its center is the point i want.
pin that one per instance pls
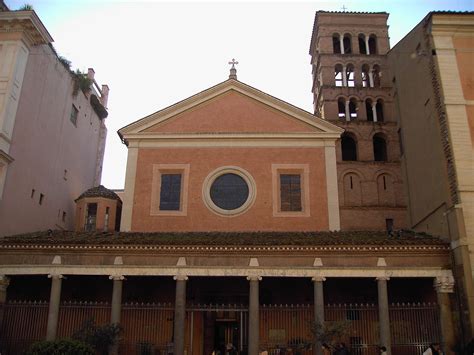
(444, 284)
(56, 276)
(117, 277)
(4, 282)
(254, 278)
(383, 278)
(318, 278)
(180, 278)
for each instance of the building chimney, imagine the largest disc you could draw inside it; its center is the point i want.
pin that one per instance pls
(90, 73)
(105, 95)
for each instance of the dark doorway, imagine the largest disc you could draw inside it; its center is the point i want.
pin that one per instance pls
(226, 338)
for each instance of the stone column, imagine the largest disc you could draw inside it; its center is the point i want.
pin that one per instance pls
(179, 314)
(254, 327)
(371, 78)
(348, 113)
(341, 43)
(344, 76)
(116, 298)
(116, 308)
(318, 308)
(444, 285)
(367, 49)
(53, 312)
(384, 321)
(374, 111)
(4, 282)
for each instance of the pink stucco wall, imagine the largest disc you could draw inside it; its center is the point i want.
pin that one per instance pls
(257, 162)
(44, 144)
(231, 112)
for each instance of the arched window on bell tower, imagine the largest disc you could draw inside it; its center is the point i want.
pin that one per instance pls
(341, 108)
(380, 147)
(365, 76)
(362, 44)
(373, 44)
(369, 111)
(336, 43)
(338, 81)
(350, 75)
(379, 110)
(353, 108)
(348, 147)
(347, 43)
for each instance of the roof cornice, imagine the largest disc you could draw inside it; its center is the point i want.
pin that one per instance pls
(27, 22)
(219, 89)
(230, 248)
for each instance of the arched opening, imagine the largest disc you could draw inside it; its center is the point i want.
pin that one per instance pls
(336, 43)
(377, 76)
(365, 76)
(341, 108)
(353, 108)
(362, 44)
(348, 148)
(350, 75)
(368, 110)
(338, 75)
(379, 110)
(347, 43)
(380, 148)
(373, 44)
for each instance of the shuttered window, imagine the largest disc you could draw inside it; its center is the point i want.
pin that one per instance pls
(290, 192)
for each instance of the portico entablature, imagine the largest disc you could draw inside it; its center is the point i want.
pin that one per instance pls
(311, 272)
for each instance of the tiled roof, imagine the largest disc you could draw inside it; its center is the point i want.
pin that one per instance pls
(450, 12)
(353, 12)
(400, 238)
(99, 191)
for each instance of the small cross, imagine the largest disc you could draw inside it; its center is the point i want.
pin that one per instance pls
(233, 63)
(344, 8)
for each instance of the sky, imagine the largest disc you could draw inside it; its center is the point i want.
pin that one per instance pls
(153, 54)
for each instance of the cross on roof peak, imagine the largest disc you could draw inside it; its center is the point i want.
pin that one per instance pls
(233, 62)
(233, 71)
(344, 8)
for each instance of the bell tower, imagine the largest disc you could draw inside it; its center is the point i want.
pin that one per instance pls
(352, 89)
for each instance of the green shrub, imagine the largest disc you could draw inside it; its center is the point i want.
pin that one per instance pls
(60, 347)
(99, 337)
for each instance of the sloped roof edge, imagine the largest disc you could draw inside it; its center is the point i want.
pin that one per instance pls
(218, 89)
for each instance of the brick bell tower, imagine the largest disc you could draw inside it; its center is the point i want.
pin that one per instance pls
(352, 89)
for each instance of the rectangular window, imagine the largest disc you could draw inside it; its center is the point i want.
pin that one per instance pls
(91, 217)
(106, 219)
(74, 114)
(290, 192)
(41, 199)
(64, 216)
(170, 192)
(389, 225)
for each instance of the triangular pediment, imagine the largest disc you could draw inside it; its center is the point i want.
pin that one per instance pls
(230, 107)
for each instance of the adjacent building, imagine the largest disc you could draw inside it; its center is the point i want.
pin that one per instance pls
(433, 79)
(52, 130)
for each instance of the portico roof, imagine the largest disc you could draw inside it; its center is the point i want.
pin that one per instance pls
(346, 238)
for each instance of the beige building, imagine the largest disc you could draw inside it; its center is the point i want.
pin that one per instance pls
(351, 89)
(433, 76)
(52, 133)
